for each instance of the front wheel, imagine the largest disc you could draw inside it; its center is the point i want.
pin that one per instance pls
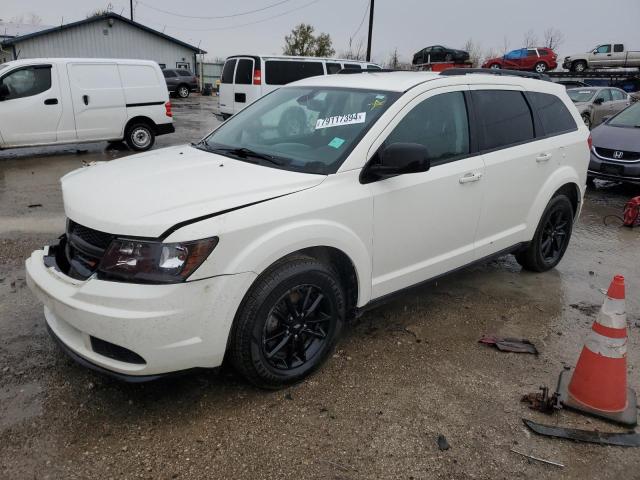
(140, 137)
(579, 66)
(495, 66)
(551, 238)
(541, 67)
(288, 323)
(183, 91)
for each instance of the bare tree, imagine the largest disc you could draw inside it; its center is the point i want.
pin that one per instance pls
(489, 53)
(354, 52)
(505, 45)
(553, 38)
(394, 60)
(530, 39)
(475, 52)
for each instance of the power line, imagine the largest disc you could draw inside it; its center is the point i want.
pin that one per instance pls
(366, 9)
(243, 24)
(240, 14)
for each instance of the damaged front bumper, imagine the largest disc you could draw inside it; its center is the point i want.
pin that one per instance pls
(137, 330)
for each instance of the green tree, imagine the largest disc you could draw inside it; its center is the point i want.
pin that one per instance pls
(302, 42)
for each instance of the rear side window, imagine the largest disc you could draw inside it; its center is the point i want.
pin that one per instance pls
(373, 67)
(618, 47)
(27, 82)
(618, 95)
(354, 66)
(440, 124)
(184, 73)
(532, 53)
(504, 118)
(244, 72)
(169, 74)
(227, 71)
(281, 72)
(553, 113)
(333, 68)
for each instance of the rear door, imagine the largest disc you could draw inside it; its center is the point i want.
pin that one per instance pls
(98, 100)
(32, 110)
(602, 109)
(515, 169)
(244, 91)
(530, 60)
(618, 56)
(619, 101)
(226, 86)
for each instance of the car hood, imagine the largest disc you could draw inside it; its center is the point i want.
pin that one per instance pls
(146, 194)
(616, 138)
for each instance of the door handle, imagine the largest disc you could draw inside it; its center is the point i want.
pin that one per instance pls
(51, 101)
(470, 177)
(85, 99)
(543, 157)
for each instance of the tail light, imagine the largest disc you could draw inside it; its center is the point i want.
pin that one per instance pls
(167, 109)
(257, 77)
(590, 142)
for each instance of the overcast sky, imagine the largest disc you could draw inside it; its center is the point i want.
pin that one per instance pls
(407, 25)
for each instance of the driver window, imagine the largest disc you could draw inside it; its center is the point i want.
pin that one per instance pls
(440, 124)
(27, 82)
(605, 95)
(603, 49)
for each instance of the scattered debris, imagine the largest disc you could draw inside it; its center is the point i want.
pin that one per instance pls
(587, 308)
(34, 205)
(538, 459)
(629, 439)
(507, 344)
(443, 444)
(542, 401)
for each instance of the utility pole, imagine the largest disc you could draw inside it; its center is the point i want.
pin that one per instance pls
(131, 9)
(370, 31)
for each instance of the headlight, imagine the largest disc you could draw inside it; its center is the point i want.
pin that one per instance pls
(141, 261)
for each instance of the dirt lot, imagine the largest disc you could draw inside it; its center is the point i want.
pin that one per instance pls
(402, 374)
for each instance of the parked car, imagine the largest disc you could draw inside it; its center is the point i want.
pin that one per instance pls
(595, 103)
(607, 55)
(531, 59)
(247, 78)
(438, 53)
(180, 82)
(615, 154)
(283, 234)
(572, 83)
(51, 101)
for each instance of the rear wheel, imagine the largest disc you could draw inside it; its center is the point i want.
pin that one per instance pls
(551, 238)
(288, 324)
(140, 137)
(540, 67)
(182, 91)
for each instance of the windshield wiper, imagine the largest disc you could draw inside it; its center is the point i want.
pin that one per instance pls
(245, 153)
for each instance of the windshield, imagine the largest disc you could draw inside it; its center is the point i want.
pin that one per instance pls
(306, 129)
(581, 94)
(629, 117)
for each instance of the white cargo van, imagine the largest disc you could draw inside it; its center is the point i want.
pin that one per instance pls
(245, 78)
(51, 101)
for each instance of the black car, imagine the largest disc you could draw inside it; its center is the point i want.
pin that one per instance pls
(180, 81)
(438, 53)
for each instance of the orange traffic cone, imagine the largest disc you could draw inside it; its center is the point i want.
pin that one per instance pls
(598, 385)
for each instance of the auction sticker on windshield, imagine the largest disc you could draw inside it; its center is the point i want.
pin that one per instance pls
(339, 120)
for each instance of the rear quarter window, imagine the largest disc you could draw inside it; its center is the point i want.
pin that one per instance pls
(227, 71)
(281, 72)
(504, 118)
(553, 113)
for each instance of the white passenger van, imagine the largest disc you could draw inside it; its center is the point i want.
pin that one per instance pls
(245, 78)
(49, 101)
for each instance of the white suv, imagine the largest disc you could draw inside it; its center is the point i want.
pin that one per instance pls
(320, 198)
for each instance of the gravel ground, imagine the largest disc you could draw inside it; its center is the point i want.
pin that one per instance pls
(403, 374)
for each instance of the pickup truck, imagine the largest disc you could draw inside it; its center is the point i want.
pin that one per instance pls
(607, 55)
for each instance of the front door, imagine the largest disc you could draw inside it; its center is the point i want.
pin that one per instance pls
(425, 223)
(600, 57)
(98, 100)
(31, 108)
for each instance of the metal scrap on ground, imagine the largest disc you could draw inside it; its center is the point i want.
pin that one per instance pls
(538, 459)
(629, 439)
(507, 344)
(542, 401)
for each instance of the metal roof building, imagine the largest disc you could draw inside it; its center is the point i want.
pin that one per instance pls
(104, 36)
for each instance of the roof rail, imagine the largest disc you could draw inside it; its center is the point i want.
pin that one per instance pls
(372, 70)
(496, 71)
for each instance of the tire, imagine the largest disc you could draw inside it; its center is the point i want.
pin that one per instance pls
(579, 66)
(540, 67)
(140, 137)
(587, 120)
(182, 91)
(495, 66)
(272, 344)
(591, 182)
(551, 238)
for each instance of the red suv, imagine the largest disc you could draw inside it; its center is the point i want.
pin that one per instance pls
(534, 59)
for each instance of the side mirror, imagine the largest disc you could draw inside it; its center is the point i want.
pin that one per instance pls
(598, 101)
(397, 159)
(4, 91)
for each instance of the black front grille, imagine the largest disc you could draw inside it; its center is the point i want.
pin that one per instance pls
(84, 249)
(115, 352)
(617, 154)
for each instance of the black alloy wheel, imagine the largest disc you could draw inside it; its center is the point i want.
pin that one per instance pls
(555, 235)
